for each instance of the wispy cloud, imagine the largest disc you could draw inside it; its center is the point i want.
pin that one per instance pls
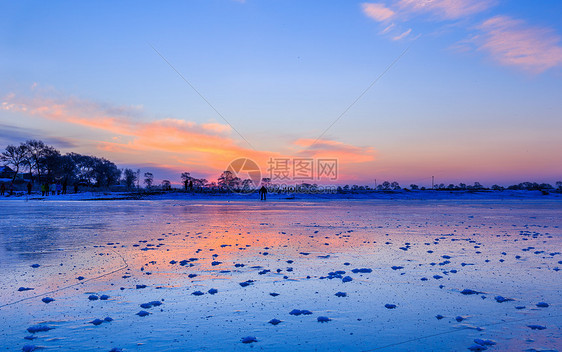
(446, 9)
(388, 28)
(509, 41)
(402, 35)
(377, 11)
(383, 14)
(330, 148)
(514, 43)
(16, 135)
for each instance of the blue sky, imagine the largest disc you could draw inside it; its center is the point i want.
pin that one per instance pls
(475, 98)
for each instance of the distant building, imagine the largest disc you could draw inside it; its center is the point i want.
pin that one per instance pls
(6, 172)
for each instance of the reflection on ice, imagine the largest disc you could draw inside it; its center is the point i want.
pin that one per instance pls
(218, 275)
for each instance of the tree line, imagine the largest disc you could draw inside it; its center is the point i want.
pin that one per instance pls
(395, 186)
(43, 163)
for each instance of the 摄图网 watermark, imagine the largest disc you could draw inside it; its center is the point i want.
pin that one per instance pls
(302, 169)
(283, 175)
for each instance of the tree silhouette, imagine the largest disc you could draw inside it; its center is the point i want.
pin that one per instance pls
(166, 185)
(130, 177)
(37, 154)
(148, 179)
(15, 156)
(185, 178)
(228, 180)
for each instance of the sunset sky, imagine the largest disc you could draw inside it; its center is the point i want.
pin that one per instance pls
(474, 94)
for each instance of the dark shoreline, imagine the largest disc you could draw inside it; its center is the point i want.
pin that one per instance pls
(352, 195)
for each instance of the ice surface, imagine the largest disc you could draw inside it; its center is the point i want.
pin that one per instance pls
(418, 255)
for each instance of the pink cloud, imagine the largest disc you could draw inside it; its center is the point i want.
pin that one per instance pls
(334, 149)
(509, 41)
(512, 42)
(377, 11)
(402, 35)
(447, 9)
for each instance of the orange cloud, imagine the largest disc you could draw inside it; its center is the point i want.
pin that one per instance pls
(135, 139)
(208, 141)
(511, 42)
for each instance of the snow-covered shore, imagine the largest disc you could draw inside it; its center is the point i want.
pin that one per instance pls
(359, 195)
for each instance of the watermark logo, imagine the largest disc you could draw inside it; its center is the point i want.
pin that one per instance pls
(242, 175)
(286, 175)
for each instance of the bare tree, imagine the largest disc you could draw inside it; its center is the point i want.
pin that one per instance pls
(166, 185)
(228, 180)
(185, 179)
(15, 156)
(130, 177)
(148, 179)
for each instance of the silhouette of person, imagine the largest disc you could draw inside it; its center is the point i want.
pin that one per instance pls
(64, 184)
(29, 187)
(76, 187)
(191, 185)
(2, 189)
(11, 188)
(43, 190)
(263, 193)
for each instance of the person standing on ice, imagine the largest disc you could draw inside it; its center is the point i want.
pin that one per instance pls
(29, 187)
(43, 189)
(53, 189)
(2, 189)
(263, 193)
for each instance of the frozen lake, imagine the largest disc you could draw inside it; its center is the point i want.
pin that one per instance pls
(421, 255)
